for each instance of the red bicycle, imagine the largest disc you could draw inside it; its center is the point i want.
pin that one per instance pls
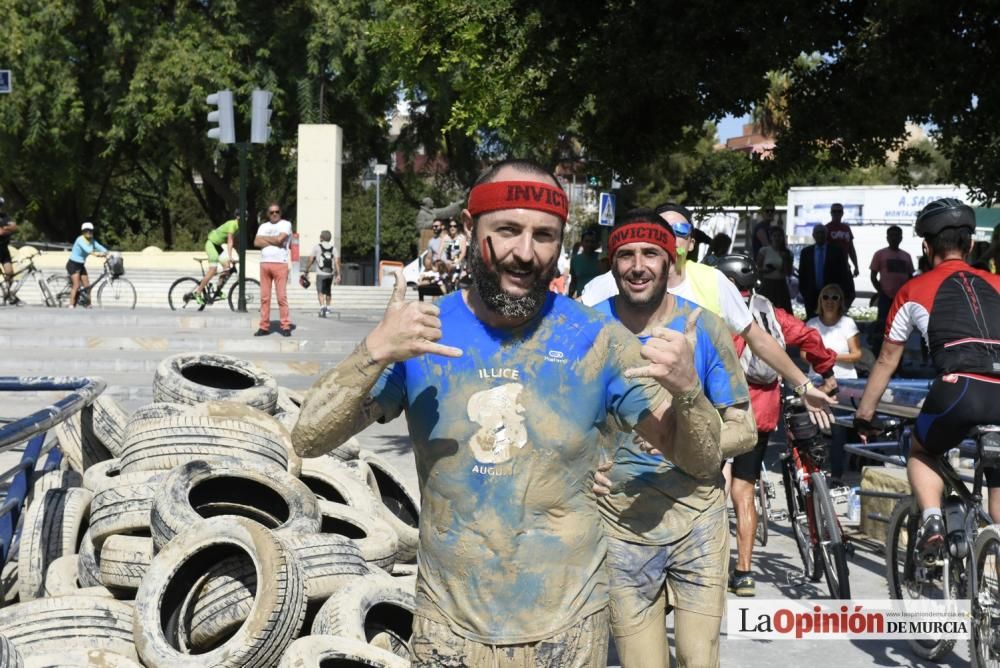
(820, 539)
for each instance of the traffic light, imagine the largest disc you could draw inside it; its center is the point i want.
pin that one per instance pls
(593, 181)
(260, 117)
(222, 117)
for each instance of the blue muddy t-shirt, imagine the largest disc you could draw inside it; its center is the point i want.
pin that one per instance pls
(652, 500)
(506, 440)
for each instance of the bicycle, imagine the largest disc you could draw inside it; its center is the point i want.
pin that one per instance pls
(113, 290)
(951, 574)
(21, 276)
(181, 296)
(763, 496)
(821, 542)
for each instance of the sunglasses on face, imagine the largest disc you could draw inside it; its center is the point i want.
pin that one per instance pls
(453, 227)
(681, 229)
(833, 298)
(274, 213)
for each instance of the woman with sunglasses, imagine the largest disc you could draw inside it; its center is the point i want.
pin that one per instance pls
(840, 334)
(454, 249)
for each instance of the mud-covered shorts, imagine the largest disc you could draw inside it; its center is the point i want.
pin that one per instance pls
(693, 569)
(584, 645)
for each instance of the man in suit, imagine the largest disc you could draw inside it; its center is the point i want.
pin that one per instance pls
(822, 264)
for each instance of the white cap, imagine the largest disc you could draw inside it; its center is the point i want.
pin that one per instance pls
(86, 226)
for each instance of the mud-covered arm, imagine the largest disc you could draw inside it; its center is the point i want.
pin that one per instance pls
(739, 430)
(687, 431)
(339, 405)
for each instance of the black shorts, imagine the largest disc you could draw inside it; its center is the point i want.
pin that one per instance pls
(75, 268)
(324, 285)
(5, 253)
(954, 405)
(747, 466)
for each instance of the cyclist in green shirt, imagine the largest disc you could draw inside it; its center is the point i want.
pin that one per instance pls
(223, 234)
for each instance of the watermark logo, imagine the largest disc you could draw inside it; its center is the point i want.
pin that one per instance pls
(875, 619)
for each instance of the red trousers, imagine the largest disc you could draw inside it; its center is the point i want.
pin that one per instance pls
(277, 272)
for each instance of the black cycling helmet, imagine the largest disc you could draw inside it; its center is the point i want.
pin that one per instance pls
(944, 213)
(740, 269)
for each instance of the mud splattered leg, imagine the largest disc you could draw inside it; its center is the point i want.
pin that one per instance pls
(697, 639)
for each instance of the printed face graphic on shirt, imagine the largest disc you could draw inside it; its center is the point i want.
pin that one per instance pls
(501, 418)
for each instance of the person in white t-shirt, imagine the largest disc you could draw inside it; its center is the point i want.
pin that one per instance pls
(273, 239)
(840, 334)
(839, 331)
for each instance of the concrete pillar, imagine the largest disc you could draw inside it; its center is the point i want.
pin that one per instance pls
(319, 184)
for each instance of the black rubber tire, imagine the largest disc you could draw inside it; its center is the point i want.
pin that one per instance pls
(223, 602)
(333, 652)
(78, 658)
(116, 293)
(252, 295)
(80, 446)
(900, 570)
(9, 656)
(832, 549)
(159, 445)
(985, 599)
(348, 450)
(49, 300)
(88, 563)
(157, 410)
(54, 526)
(812, 564)
(760, 503)
(374, 537)
(193, 378)
(161, 601)
(400, 507)
(232, 410)
(197, 490)
(57, 479)
(330, 479)
(59, 286)
(124, 506)
(179, 288)
(55, 625)
(102, 475)
(124, 561)
(373, 610)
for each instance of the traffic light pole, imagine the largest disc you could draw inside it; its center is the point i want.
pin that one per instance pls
(243, 148)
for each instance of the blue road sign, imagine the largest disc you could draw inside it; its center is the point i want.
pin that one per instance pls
(4, 81)
(607, 210)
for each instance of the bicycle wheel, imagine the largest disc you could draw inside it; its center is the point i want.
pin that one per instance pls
(60, 287)
(760, 503)
(984, 645)
(908, 578)
(47, 295)
(831, 541)
(179, 296)
(799, 519)
(116, 293)
(252, 295)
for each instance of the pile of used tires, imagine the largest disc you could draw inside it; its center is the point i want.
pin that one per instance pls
(190, 534)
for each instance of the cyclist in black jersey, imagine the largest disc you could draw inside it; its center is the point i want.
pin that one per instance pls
(957, 310)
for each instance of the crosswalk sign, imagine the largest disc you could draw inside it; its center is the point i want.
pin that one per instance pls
(607, 210)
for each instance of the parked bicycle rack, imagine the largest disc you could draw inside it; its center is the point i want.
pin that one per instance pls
(82, 393)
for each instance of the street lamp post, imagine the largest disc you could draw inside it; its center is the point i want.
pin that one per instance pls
(380, 171)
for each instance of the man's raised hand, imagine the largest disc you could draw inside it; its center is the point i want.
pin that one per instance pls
(671, 361)
(407, 330)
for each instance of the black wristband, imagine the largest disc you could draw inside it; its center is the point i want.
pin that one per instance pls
(827, 374)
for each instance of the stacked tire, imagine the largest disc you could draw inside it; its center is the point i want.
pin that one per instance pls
(189, 533)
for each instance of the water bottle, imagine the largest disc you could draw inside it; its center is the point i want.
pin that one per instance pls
(854, 505)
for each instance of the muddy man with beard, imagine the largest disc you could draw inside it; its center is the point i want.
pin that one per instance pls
(506, 389)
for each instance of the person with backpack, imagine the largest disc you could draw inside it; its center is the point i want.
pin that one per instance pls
(765, 399)
(327, 262)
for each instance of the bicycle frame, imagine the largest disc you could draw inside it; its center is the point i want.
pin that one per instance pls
(803, 466)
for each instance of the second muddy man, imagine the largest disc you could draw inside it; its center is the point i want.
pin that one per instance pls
(512, 552)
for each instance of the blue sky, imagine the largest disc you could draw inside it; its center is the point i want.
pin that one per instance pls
(732, 126)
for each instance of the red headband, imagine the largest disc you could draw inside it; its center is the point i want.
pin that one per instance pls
(500, 195)
(650, 233)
